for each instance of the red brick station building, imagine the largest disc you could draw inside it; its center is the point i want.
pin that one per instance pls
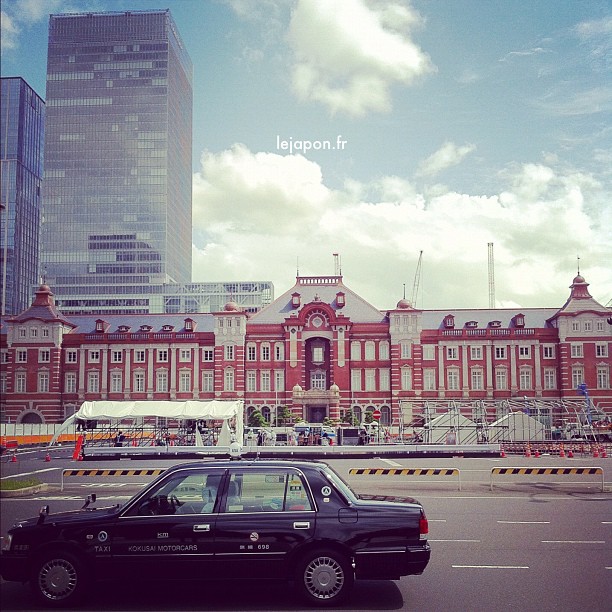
(320, 350)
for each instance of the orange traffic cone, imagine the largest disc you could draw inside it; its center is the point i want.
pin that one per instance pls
(502, 453)
(14, 458)
(603, 454)
(570, 454)
(528, 451)
(47, 457)
(595, 452)
(536, 454)
(561, 451)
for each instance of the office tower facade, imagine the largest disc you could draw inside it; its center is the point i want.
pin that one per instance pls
(22, 129)
(117, 192)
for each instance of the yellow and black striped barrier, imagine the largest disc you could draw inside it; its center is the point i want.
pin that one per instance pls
(110, 472)
(407, 472)
(548, 471)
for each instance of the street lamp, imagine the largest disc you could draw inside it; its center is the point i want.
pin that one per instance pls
(583, 390)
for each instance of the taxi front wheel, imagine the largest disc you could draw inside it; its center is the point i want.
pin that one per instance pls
(59, 579)
(324, 577)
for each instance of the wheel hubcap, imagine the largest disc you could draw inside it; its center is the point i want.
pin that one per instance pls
(324, 577)
(57, 579)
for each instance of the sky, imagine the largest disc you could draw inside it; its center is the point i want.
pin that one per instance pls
(380, 129)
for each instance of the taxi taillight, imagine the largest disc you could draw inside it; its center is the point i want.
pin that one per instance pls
(423, 526)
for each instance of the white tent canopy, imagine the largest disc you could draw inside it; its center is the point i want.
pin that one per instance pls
(191, 409)
(438, 430)
(517, 426)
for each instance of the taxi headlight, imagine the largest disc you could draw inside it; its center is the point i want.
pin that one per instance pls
(6, 542)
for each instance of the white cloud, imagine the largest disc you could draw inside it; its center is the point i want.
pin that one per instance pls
(596, 37)
(254, 193)
(595, 28)
(449, 154)
(10, 31)
(524, 53)
(468, 76)
(587, 102)
(349, 53)
(20, 14)
(257, 213)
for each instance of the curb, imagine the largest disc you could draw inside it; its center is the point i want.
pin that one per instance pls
(25, 491)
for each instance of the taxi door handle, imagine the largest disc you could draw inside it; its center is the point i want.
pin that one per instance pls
(301, 525)
(201, 527)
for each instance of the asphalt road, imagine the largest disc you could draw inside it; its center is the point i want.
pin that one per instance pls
(534, 543)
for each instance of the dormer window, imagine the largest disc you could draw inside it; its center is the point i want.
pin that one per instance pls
(471, 324)
(124, 328)
(189, 325)
(168, 328)
(449, 321)
(101, 326)
(519, 320)
(145, 328)
(295, 300)
(340, 299)
(494, 323)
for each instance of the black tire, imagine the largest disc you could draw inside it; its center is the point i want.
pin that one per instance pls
(59, 579)
(324, 577)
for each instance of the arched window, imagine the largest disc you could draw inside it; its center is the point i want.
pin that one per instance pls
(385, 416)
(31, 417)
(265, 411)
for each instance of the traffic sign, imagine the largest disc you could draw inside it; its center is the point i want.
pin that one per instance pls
(376, 415)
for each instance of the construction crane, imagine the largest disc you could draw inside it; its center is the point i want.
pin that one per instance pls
(417, 281)
(491, 275)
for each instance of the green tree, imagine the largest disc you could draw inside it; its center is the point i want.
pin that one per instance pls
(283, 416)
(256, 419)
(349, 418)
(368, 416)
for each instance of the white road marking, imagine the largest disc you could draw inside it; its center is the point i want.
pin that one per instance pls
(490, 566)
(524, 522)
(453, 540)
(93, 485)
(573, 541)
(436, 520)
(80, 497)
(65, 498)
(30, 473)
(393, 463)
(505, 497)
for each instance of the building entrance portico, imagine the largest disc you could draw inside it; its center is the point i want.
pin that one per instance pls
(316, 414)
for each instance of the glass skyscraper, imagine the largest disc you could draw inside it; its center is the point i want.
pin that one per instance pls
(117, 191)
(22, 129)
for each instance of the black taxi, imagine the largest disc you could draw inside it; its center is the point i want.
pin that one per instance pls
(295, 521)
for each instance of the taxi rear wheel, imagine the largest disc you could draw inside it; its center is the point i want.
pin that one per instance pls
(324, 577)
(59, 579)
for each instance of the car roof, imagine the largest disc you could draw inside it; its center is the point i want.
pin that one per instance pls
(247, 463)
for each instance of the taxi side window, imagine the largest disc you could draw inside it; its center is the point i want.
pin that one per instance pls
(194, 493)
(270, 491)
